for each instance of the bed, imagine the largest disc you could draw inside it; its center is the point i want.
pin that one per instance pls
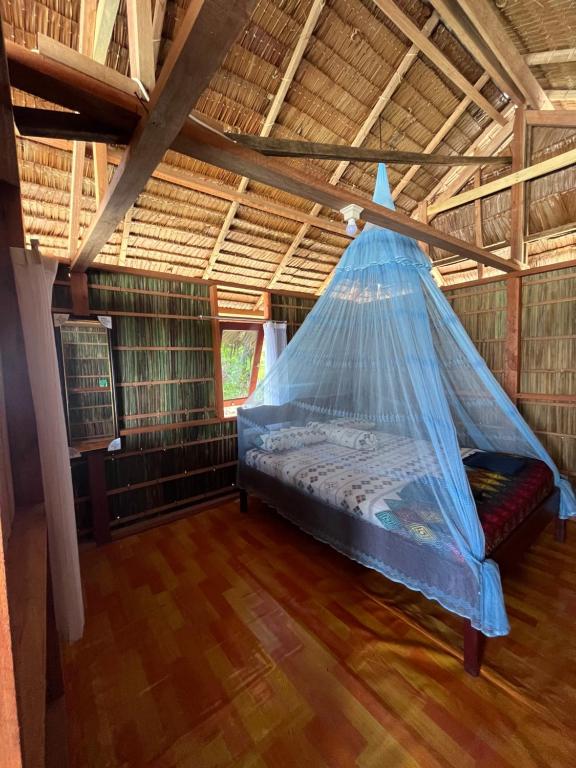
(340, 495)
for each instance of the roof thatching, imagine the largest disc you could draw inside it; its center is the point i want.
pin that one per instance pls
(352, 55)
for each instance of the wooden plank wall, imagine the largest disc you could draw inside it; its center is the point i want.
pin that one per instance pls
(177, 450)
(546, 361)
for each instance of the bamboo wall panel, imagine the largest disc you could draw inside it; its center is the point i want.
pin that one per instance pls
(482, 312)
(548, 351)
(291, 309)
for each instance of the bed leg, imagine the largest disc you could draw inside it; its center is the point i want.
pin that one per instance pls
(473, 649)
(560, 530)
(243, 501)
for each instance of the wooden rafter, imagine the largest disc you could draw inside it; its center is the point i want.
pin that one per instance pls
(105, 20)
(85, 43)
(271, 117)
(561, 95)
(189, 180)
(505, 182)
(433, 54)
(207, 31)
(407, 61)
(439, 136)
(141, 42)
(479, 25)
(70, 89)
(491, 140)
(542, 58)
(157, 27)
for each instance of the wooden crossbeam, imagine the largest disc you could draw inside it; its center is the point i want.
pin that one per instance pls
(505, 182)
(207, 31)
(370, 121)
(189, 180)
(557, 118)
(49, 123)
(542, 58)
(567, 94)
(439, 136)
(270, 120)
(69, 88)
(317, 151)
(490, 141)
(491, 41)
(427, 47)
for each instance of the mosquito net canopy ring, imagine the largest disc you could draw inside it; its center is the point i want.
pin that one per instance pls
(373, 409)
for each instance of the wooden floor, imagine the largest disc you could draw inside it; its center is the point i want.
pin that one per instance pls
(231, 640)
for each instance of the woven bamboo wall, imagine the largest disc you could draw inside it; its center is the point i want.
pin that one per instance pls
(482, 312)
(292, 309)
(164, 369)
(547, 351)
(549, 362)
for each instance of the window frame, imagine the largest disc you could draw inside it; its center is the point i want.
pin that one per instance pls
(230, 325)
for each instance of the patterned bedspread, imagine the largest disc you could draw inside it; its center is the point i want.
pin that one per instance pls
(506, 489)
(347, 478)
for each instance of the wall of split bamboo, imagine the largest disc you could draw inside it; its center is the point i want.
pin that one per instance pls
(164, 375)
(547, 381)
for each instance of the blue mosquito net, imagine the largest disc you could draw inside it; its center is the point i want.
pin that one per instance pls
(371, 412)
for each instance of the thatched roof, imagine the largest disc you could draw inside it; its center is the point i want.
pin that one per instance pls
(350, 59)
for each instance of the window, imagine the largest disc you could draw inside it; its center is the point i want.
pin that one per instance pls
(241, 355)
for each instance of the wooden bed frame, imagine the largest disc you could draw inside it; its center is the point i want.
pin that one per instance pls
(507, 554)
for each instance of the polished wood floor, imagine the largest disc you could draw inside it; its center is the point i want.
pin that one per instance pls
(231, 640)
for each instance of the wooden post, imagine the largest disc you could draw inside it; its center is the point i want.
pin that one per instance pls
(216, 340)
(513, 337)
(478, 230)
(79, 293)
(518, 191)
(267, 305)
(98, 497)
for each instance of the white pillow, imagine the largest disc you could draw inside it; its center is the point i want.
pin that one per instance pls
(348, 437)
(292, 437)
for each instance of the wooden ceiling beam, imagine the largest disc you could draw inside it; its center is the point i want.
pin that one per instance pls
(157, 27)
(200, 141)
(207, 31)
(372, 118)
(465, 32)
(311, 150)
(438, 137)
(549, 165)
(270, 120)
(141, 42)
(486, 28)
(188, 180)
(557, 118)
(105, 20)
(491, 140)
(542, 58)
(433, 54)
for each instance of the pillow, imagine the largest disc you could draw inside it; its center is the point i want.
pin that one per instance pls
(292, 437)
(348, 437)
(354, 423)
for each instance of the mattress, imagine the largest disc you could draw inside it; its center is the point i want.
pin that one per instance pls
(506, 489)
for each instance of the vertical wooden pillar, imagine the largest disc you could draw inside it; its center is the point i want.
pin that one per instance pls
(518, 191)
(216, 338)
(79, 293)
(513, 337)
(98, 497)
(267, 305)
(478, 224)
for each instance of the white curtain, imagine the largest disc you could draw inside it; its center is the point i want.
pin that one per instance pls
(274, 344)
(34, 279)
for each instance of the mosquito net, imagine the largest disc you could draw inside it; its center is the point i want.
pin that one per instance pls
(372, 410)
